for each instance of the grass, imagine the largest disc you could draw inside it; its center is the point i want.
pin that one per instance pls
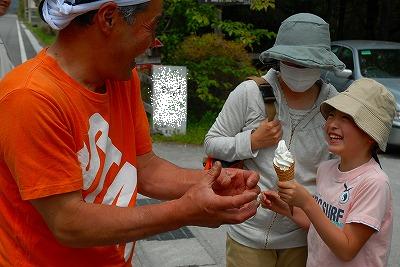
(195, 132)
(40, 33)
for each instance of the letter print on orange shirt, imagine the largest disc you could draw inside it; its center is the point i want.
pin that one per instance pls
(97, 158)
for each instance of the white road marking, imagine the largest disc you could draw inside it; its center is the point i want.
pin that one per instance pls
(35, 44)
(21, 44)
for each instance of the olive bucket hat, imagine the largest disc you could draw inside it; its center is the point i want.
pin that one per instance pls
(304, 39)
(371, 106)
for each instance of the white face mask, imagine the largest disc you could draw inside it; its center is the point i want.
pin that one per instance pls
(299, 79)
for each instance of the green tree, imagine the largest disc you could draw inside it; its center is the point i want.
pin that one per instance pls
(183, 18)
(215, 51)
(262, 4)
(215, 67)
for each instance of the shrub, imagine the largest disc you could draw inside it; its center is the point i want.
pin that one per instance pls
(215, 67)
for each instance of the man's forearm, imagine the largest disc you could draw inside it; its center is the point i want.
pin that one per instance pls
(160, 179)
(78, 224)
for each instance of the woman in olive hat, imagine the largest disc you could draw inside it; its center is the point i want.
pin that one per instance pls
(243, 131)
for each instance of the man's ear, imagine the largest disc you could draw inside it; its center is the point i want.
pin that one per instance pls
(106, 16)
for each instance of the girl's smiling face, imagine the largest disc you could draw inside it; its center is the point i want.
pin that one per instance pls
(344, 137)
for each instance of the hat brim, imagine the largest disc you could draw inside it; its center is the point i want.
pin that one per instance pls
(312, 57)
(340, 102)
(349, 106)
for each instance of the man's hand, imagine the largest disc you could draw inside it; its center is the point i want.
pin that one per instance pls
(221, 198)
(294, 193)
(267, 134)
(230, 182)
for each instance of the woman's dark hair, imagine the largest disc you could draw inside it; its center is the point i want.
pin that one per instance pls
(266, 65)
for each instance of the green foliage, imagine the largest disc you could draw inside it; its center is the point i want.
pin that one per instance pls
(262, 4)
(245, 33)
(215, 67)
(187, 16)
(43, 33)
(21, 9)
(182, 18)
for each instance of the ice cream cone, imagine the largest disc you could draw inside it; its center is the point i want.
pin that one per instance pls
(284, 176)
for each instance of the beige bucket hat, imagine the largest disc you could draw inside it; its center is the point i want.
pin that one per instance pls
(371, 106)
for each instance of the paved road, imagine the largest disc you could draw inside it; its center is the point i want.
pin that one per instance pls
(207, 248)
(391, 165)
(19, 42)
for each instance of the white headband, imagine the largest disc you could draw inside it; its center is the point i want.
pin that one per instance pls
(58, 13)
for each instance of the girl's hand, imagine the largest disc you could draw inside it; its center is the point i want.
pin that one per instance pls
(270, 200)
(293, 193)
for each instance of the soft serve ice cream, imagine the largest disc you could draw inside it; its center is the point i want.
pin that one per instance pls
(283, 158)
(284, 164)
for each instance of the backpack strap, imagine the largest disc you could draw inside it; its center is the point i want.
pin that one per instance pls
(267, 95)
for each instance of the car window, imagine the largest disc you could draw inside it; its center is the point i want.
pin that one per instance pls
(380, 63)
(346, 56)
(335, 49)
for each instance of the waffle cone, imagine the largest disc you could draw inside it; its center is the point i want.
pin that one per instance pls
(285, 175)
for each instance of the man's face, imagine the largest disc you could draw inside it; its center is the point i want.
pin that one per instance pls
(134, 39)
(4, 4)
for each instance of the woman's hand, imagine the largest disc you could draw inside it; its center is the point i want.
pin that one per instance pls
(267, 134)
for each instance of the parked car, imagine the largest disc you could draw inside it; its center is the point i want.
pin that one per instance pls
(378, 60)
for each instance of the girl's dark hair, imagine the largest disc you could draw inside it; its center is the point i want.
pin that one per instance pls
(374, 152)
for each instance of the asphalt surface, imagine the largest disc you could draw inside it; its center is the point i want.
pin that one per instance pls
(204, 247)
(207, 247)
(19, 42)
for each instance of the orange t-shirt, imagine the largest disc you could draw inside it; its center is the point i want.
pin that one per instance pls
(57, 137)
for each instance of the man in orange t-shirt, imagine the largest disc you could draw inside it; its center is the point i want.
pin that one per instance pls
(75, 148)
